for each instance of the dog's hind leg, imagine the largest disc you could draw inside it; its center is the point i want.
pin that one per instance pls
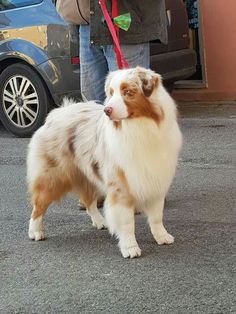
(97, 219)
(40, 205)
(36, 231)
(44, 192)
(87, 194)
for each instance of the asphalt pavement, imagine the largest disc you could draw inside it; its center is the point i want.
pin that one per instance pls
(79, 269)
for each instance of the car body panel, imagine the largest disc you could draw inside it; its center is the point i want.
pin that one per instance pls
(52, 70)
(36, 24)
(174, 65)
(175, 60)
(22, 49)
(46, 43)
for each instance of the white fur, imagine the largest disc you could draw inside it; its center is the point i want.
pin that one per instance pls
(119, 110)
(36, 229)
(146, 152)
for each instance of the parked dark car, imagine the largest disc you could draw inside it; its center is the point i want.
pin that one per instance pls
(39, 63)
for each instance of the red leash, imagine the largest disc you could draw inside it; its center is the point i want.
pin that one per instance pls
(114, 30)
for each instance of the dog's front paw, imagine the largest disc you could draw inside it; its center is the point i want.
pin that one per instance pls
(131, 252)
(99, 222)
(36, 230)
(165, 238)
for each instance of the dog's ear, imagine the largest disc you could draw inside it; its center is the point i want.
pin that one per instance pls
(108, 81)
(149, 80)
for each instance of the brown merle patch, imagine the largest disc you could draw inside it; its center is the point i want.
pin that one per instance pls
(51, 162)
(96, 170)
(117, 124)
(71, 140)
(149, 80)
(138, 105)
(119, 191)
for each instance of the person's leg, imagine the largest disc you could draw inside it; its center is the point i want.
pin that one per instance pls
(135, 55)
(93, 67)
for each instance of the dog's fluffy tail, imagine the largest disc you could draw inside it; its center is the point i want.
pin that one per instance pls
(67, 102)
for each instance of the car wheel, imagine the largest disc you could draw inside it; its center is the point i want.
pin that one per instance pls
(23, 100)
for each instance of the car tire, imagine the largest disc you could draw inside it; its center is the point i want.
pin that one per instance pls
(24, 100)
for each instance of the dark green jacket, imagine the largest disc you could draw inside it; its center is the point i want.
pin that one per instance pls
(148, 22)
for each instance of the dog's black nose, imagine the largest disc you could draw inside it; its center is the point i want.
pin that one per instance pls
(108, 111)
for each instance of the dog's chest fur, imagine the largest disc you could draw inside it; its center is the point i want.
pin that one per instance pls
(144, 152)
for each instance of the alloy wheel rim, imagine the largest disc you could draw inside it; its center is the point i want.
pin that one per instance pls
(20, 101)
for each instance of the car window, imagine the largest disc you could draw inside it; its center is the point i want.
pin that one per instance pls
(12, 4)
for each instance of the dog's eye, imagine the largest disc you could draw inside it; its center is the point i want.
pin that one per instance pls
(128, 92)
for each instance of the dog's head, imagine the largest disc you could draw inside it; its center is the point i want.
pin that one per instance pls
(131, 94)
